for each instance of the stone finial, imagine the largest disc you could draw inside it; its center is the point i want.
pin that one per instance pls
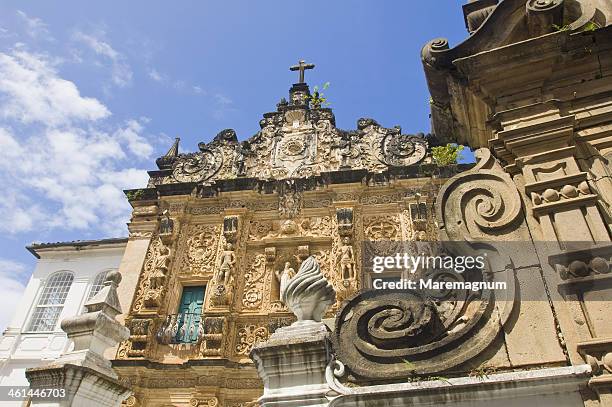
(96, 330)
(165, 161)
(308, 293)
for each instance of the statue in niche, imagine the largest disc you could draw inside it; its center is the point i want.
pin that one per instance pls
(166, 224)
(347, 260)
(160, 269)
(228, 261)
(283, 276)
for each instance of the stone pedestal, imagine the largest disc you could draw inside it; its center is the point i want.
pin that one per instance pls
(83, 377)
(292, 365)
(80, 386)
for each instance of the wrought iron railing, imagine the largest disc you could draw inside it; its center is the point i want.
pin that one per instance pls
(185, 327)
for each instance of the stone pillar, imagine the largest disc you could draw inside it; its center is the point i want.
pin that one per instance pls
(292, 365)
(292, 361)
(83, 377)
(539, 143)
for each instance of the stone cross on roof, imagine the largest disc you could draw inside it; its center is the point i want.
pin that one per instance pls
(301, 66)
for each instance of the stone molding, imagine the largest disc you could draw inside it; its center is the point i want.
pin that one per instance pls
(509, 386)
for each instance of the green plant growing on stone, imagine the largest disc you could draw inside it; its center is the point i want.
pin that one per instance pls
(447, 155)
(317, 98)
(412, 368)
(482, 372)
(591, 26)
(558, 28)
(440, 378)
(135, 195)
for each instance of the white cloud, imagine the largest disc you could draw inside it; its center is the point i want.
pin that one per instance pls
(156, 76)
(223, 100)
(34, 27)
(136, 143)
(178, 85)
(31, 91)
(5, 33)
(223, 106)
(121, 72)
(65, 165)
(11, 289)
(8, 145)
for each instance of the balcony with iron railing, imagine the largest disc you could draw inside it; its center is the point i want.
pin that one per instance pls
(192, 332)
(185, 328)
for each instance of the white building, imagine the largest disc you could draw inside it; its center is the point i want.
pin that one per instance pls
(66, 275)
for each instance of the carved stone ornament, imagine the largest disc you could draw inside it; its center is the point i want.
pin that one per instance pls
(308, 293)
(248, 336)
(344, 218)
(254, 281)
(196, 167)
(381, 332)
(151, 287)
(198, 248)
(403, 149)
(204, 402)
(296, 141)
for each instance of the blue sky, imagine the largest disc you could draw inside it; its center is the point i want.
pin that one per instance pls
(92, 92)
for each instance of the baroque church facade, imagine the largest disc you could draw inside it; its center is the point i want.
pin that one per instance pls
(236, 215)
(216, 234)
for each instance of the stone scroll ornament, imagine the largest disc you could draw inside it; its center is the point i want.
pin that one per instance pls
(308, 294)
(209, 161)
(196, 167)
(383, 334)
(402, 149)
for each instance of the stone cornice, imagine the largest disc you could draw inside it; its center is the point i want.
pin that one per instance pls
(303, 184)
(540, 381)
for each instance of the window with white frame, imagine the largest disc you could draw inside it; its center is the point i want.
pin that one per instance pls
(51, 302)
(97, 284)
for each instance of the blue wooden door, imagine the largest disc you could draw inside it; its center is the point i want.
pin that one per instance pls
(190, 313)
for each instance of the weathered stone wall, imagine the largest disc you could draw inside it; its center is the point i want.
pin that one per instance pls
(533, 83)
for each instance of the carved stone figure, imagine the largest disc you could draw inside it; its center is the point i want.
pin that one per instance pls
(160, 271)
(284, 276)
(347, 260)
(166, 224)
(243, 151)
(228, 261)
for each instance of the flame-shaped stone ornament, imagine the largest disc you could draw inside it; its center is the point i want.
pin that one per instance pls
(308, 293)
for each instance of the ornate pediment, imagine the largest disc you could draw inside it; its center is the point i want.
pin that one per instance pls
(295, 141)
